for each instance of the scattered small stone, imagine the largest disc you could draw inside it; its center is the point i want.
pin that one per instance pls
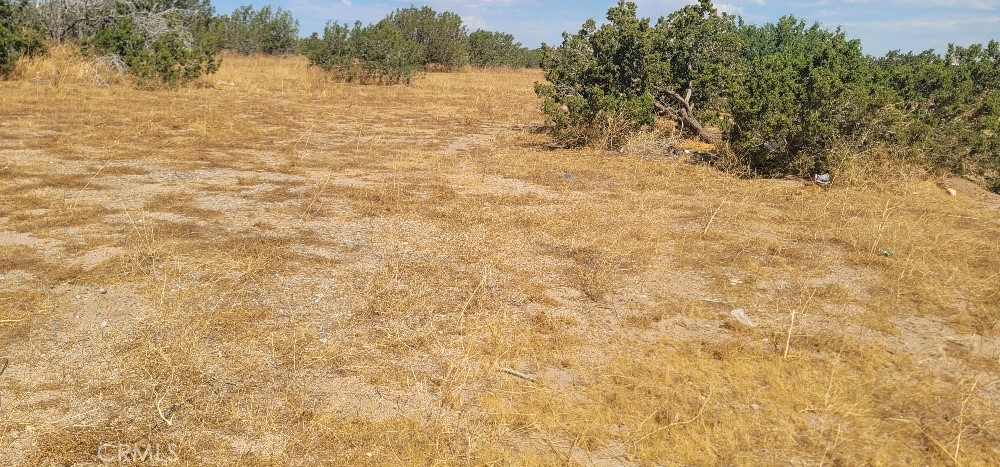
(103, 291)
(55, 326)
(741, 315)
(104, 324)
(886, 252)
(755, 406)
(568, 176)
(951, 191)
(2, 277)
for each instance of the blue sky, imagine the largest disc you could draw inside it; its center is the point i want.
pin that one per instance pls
(881, 25)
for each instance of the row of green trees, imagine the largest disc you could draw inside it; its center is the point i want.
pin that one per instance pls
(272, 31)
(408, 40)
(785, 96)
(168, 42)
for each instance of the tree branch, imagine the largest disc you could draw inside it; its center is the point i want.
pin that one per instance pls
(685, 115)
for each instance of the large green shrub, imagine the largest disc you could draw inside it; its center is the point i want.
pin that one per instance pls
(168, 58)
(488, 49)
(440, 37)
(373, 54)
(332, 51)
(803, 91)
(161, 43)
(789, 97)
(268, 30)
(606, 82)
(387, 57)
(20, 34)
(597, 86)
(693, 64)
(948, 108)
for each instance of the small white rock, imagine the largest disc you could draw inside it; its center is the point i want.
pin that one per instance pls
(951, 191)
(104, 324)
(741, 315)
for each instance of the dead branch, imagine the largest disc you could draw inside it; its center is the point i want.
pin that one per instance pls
(518, 374)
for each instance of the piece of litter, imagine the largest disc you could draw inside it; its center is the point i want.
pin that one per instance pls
(741, 315)
(886, 252)
(823, 179)
(774, 145)
(568, 176)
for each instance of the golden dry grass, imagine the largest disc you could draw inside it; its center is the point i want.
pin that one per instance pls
(272, 268)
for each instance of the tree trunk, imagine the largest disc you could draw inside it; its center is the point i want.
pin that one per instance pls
(685, 114)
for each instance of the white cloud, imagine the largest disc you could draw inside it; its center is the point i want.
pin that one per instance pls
(473, 22)
(731, 9)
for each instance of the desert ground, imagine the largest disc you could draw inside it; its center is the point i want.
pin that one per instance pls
(274, 268)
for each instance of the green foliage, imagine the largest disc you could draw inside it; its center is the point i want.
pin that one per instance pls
(386, 56)
(20, 35)
(162, 53)
(693, 63)
(249, 31)
(597, 86)
(488, 49)
(440, 37)
(948, 107)
(375, 54)
(618, 77)
(803, 92)
(531, 58)
(333, 51)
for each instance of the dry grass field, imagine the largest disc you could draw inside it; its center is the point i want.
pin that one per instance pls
(272, 268)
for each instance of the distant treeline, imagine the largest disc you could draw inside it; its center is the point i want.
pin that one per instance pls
(168, 42)
(408, 40)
